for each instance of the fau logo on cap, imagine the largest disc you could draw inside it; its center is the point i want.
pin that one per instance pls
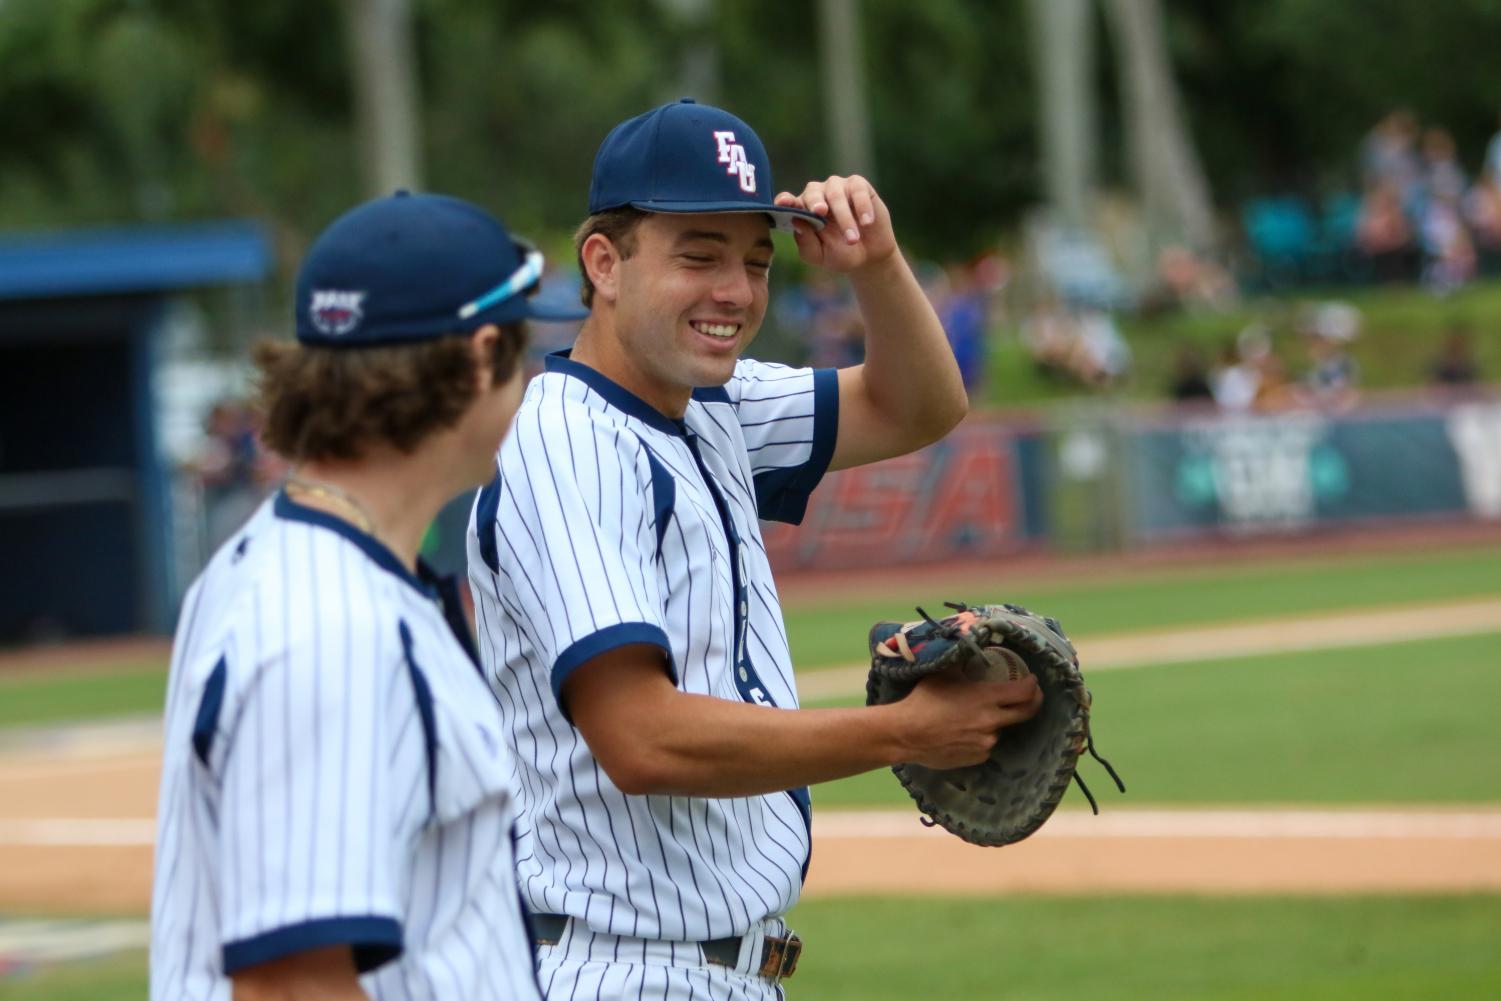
(335, 312)
(733, 154)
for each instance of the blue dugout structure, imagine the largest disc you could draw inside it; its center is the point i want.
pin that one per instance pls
(84, 496)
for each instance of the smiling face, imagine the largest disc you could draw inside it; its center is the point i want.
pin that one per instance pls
(685, 304)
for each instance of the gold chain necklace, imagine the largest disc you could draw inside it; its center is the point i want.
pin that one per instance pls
(337, 496)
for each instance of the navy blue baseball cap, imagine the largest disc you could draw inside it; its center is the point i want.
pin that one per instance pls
(415, 266)
(687, 157)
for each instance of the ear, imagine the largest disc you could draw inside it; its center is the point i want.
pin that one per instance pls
(481, 350)
(601, 260)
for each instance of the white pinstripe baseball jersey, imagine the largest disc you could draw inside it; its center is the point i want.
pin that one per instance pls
(333, 774)
(610, 524)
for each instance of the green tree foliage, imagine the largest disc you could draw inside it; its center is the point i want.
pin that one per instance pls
(1280, 92)
(121, 110)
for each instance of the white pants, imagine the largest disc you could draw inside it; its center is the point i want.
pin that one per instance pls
(590, 966)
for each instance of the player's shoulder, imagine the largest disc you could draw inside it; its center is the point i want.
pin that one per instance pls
(562, 417)
(304, 570)
(750, 376)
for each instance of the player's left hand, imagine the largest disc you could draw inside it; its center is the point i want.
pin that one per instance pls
(857, 227)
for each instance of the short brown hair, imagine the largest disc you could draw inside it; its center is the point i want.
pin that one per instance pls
(336, 402)
(616, 225)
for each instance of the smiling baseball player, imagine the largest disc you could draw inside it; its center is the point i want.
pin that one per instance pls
(628, 618)
(336, 810)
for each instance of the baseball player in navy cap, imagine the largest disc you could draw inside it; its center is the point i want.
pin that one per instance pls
(629, 621)
(336, 814)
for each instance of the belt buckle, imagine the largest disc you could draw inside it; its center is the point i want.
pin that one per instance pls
(780, 960)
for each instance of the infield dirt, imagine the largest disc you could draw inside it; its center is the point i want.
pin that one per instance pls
(76, 809)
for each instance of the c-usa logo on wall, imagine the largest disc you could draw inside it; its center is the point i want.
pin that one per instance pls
(732, 154)
(337, 312)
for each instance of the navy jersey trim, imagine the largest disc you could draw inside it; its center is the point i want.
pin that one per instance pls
(446, 588)
(486, 507)
(289, 510)
(374, 941)
(423, 694)
(664, 495)
(614, 394)
(591, 646)
(712, 394)
(804, 803)
(207, 720)
(782, 494)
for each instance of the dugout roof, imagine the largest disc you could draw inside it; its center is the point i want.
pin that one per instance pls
(128, 260)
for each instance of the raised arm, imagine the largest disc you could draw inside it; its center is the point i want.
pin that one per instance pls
(908, 393)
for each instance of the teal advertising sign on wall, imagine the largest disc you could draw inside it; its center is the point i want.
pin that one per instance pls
(1247, 474)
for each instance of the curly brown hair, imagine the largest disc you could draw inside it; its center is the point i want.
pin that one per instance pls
(324, 403)
(616, 225)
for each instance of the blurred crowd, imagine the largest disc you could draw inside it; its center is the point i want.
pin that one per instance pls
(1422, 216)
(1250, 375)
(822, 315)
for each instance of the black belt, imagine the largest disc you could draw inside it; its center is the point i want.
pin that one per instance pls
(779, 955)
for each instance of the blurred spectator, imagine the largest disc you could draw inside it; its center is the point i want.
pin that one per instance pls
(1456, 365)
(233, 471)
(1237, 380)
(1443, 177)
(1491, 171)
(1186, 279)
(1108, 356)
(1190, 377)
(961, 308)
(833, 324)
(1331, 380)
(1482, 215)
(1274, 391)
(1448, 253)
(1383, 236)
(1079, 346)
(1388, 157)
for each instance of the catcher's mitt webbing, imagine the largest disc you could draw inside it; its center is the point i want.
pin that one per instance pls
(1011, 794)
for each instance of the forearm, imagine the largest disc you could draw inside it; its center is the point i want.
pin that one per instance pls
(705, 746)
(903, 337)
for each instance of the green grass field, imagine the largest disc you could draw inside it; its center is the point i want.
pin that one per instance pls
(1398, 723)
(1121, 949)
(1404, 723)
(1151, 949)
(826, 632)
(115, 978)
(832, 631)
(38, 698)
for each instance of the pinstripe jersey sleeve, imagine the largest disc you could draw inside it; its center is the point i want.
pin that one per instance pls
(308, 852)
(790, 419)
(580, 506)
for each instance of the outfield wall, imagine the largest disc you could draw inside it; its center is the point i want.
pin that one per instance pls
(1101, 479)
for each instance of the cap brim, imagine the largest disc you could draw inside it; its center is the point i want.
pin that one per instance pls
(781, 217)
(557, 303)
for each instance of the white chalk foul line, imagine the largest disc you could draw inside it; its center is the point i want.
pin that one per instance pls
(1229, 642)
(61, 941)
(78, 832)
(1299, 824)
(68, 832)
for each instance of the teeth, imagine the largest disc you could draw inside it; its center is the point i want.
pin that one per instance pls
(724, 330)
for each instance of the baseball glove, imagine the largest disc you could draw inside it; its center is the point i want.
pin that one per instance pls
(1011, 794)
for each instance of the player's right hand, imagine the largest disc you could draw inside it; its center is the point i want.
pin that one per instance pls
(949, 723)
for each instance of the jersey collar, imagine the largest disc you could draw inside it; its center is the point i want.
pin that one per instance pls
(372, 547)
(614, 394)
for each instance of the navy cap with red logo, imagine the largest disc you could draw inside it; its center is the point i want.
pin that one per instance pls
(687, 157)
(411, 267)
